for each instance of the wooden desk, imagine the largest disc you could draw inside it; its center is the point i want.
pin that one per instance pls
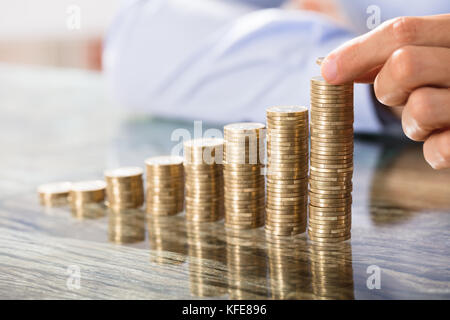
(58, 125)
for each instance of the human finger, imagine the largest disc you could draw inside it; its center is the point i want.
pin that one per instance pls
(427, 110)
(436, 150)
(352, 60)
(409, 68)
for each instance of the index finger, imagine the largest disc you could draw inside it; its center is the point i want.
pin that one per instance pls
(356, 57)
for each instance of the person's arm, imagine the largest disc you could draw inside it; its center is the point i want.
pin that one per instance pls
(408, 60)
(184, 63)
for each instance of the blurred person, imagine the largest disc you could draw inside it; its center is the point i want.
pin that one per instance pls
(225, 61)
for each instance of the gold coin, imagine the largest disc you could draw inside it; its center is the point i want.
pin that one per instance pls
(331, 98)
(331, 139)
(243, 127)
(324, 226)
(326, 217)
(332, 111)
(318, 80)
(124, 172)
(54, 194)
(289, 111)
(314, 161)
(328, 87)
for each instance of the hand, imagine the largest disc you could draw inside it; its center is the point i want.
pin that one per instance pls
(408, 59)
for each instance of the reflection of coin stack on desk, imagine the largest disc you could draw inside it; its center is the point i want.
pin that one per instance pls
(204, 179)
(247, 266)
(127, 226)
(332, 271)
(203, 246)
(165, 185)
(289, 268)
(287, 175)
(167, 234)
(87, 199)
(244, 182)
(125, 188)
(54, 194)
(331, 169)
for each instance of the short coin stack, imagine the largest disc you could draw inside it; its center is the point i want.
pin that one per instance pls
(203, 243)
(125, 188)
(165, 185)
(244, 181)
(54, 194)
(87, 198)
(331, 169)
(127, 226)
(204, 179)
(287, 171)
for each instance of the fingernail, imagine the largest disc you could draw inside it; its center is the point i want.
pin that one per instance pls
(437, 161)
(411, 128)
(329, 69)
(387, 99)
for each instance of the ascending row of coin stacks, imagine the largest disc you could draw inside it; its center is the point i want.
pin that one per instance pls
(165, 185)
(244, 182)
(331, 169)
(287, 171)
(204, 179)
(124, 188)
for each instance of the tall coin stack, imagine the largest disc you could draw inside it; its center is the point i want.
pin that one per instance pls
(204, 179)
(124, 188)
(165, 185)
(287, 172)
(331, 169)
(244, 181)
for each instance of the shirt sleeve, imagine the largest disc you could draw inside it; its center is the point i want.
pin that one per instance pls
(230, 69)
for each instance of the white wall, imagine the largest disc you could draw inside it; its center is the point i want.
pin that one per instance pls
(25, 19)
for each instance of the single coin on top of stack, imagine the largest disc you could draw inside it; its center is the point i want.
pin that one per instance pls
(331, 168)
(244, 181)
(204, 179)
(87, 198)
(165, 185)
(287, 174)
(54, 194)
(124, 188)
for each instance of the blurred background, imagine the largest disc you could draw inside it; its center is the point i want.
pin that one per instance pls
(45, 32)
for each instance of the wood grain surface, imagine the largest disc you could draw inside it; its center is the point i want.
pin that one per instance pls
(58, 125)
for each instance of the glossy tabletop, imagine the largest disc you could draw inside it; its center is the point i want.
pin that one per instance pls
(58, 125)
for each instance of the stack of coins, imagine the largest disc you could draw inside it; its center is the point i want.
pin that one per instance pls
(54, 194)
(332, 271)
(331, 166)
(205, 245)
(289, 267)
(287, 171)
(87, 198)
(165, 185)
(204, 179)
(244, 181)
(125, 188)
(246, 264)
(126, 226)
(167, 234)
